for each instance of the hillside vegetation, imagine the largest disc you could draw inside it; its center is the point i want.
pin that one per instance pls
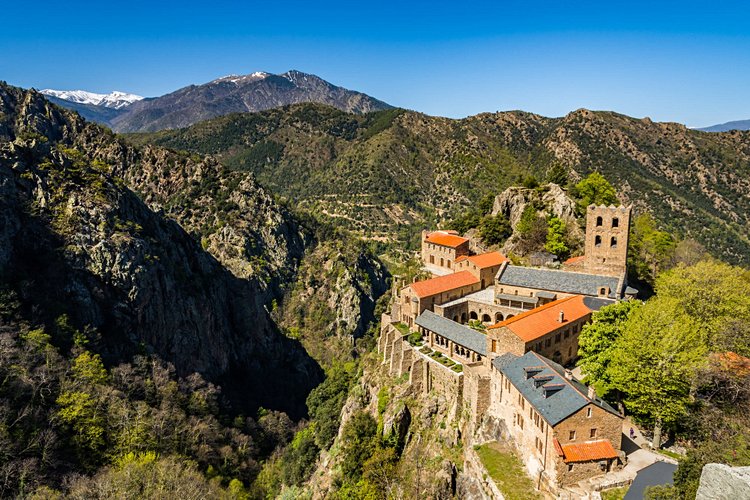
(387, 174)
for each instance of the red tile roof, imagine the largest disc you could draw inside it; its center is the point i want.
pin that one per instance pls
(445, 283)
(588, 452)
(531, 325)
(446, 239)
(574, 260)
(485, 260)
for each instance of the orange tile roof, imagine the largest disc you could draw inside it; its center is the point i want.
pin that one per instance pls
(489, 259)
(588, 452)
(531, 325)
(446, 239)
(574, 260)
(445, 283)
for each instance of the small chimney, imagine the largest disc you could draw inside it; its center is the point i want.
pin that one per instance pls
(561, 318)
(592, 392)
(568, 374)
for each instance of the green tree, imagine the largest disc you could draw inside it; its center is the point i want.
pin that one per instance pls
(531, 229)
(495, 229)
(717, 297)
(88, 368)
(651, 250)
(655, 361)
(81, 412)
(556, 243)
(358, 444)
(595, 189)
(557, 173)
(597, 341)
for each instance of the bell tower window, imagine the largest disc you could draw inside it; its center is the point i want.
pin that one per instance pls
(615, 222)
(613, 242)
(598, 241)
(599, 221)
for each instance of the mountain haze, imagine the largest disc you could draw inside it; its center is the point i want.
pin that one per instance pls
(726, 127)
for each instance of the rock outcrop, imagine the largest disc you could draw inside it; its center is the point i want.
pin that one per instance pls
(75, 240)
(720, 481)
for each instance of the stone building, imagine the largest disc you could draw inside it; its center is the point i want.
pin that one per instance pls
(551, 284)
(607, 234)
(563, 431)
(440, 249)
(420, 296)
(484, 266)
(458, 342)
(551, 330)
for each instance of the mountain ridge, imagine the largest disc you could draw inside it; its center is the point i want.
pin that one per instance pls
(728, 126)
(256, 91)
(385, 173)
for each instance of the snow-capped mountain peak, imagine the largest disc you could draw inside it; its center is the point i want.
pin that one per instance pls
(116, 99)
(238, 79)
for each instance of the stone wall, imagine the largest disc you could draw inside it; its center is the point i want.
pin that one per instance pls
(607, 232)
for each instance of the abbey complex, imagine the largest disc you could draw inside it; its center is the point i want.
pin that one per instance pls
(511, 334)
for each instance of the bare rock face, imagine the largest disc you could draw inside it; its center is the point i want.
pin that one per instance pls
(75, 240)
(397, 425)
(720, 481)
(555, 201)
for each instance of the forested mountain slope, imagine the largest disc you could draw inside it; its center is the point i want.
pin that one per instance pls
(379, 172)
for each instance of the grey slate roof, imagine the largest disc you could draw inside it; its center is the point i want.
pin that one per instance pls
(558, 281)
(555, 406)
(517, 298)
(459, 334)
(596, 303)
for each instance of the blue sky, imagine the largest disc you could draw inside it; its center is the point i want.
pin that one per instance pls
(672, 61)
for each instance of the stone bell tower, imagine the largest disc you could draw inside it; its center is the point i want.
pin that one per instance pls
(607, 234)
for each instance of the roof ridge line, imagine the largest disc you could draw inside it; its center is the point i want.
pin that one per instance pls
(528, 313)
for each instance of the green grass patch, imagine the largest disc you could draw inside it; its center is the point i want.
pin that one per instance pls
(507, 471)
(401, 327)
(614, 493)
(671, 454)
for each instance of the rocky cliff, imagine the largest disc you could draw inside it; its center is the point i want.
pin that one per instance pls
(74, 239)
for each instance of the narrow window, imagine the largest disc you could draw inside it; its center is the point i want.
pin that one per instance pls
(557, 338)
(588, 413)
(572, 435)
(598, 240)
(599, 221)
(592, 434)
(615, 222)
(613, 242)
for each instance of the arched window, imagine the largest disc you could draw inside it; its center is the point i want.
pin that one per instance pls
(615, 222)
(613, 242)
(598, 241)
(599, 221)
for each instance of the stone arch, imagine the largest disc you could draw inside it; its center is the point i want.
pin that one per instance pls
(455, 318)
(463, 318)
(473, 315)
(486, 318)
(509, 316)
(498, 317)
